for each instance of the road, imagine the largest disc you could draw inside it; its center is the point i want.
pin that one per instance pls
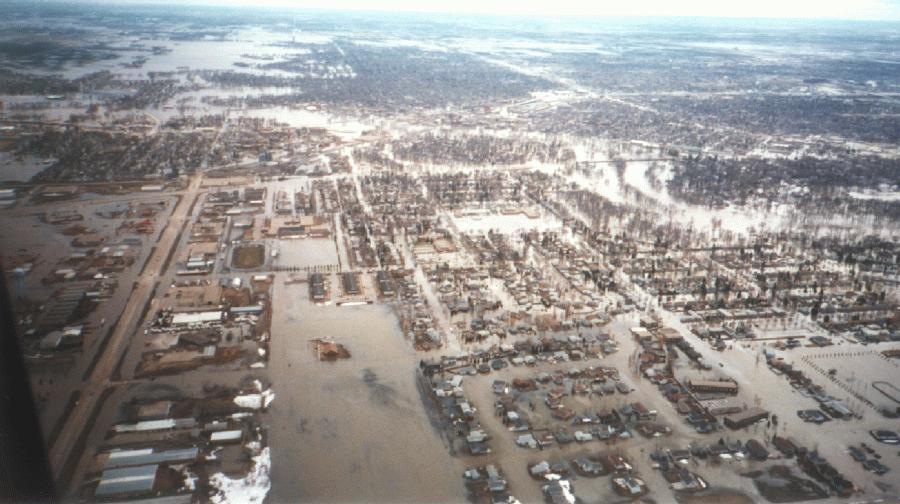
(79, 419)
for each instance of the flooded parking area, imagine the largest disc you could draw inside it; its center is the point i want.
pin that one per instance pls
(866, 377)
(305, 253)
(349, 429)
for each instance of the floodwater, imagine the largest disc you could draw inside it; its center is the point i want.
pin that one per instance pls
(353, 430)
(195, 54)
(636, 178)
(507, 224)
(344, 127)
(744, 363)
(19, 170)
(54, 380)
(306, 252)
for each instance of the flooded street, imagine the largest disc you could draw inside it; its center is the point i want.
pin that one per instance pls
(352, 430)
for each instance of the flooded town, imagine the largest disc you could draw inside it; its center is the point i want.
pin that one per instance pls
(257, 256)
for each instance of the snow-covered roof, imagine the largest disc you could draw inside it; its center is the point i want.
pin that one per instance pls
(196, 317)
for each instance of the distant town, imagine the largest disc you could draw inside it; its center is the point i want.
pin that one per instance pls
(263, 256)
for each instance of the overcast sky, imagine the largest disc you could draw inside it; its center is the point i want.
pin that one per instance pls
(812, 9)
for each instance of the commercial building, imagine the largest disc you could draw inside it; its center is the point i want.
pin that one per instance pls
(714, 386)
(745, 418)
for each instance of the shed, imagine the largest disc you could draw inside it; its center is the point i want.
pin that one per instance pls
(246, 309)
(227, 436)
(127, 458)
(127, 481)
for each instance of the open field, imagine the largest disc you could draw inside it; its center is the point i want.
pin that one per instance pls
(248, 256)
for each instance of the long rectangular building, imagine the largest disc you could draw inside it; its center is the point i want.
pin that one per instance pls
(317, 287)
(127, 481)
(384, 284)
(745, 418)
(715, 386)
(351, 284)
(125, 458)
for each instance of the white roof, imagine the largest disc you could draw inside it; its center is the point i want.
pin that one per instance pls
(230, 435)
(130, 453)
(146, 425)
(197, 317)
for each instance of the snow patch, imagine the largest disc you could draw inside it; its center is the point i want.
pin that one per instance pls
(251, 488)
(261, 400)
(879, 195)
(190, 480)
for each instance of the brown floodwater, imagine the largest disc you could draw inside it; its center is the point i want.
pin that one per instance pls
(352, 430)
(305, 252)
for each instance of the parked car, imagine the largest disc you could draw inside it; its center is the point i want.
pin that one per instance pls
(813, 416)
(875, 467)
(885, 436)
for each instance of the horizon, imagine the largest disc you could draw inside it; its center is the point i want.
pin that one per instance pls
(879, 11)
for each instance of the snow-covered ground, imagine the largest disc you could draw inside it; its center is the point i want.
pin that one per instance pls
(260, 400)
(878, 195)
(507, 224)
(251, 488)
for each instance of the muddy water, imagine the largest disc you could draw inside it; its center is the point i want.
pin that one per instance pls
(306, 252)
(19, 170)
(352, 430)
